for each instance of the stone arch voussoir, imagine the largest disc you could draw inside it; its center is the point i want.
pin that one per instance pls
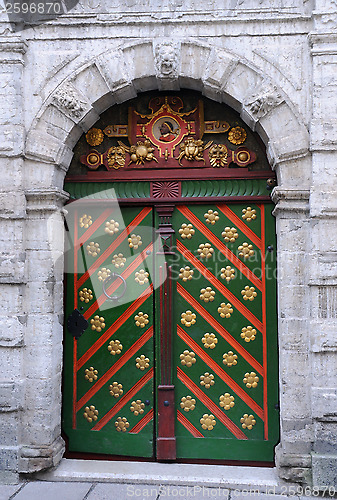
(119, 74)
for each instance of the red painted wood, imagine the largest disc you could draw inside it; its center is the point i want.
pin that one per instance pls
(166, 441)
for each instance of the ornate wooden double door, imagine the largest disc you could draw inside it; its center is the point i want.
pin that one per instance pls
(170, 338)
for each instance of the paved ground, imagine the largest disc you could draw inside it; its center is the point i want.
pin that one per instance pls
(45, 490)
(113, 480)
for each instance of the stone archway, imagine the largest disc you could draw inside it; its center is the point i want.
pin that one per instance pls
(71, 109)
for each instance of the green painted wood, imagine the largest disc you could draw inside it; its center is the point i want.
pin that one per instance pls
(107, 190)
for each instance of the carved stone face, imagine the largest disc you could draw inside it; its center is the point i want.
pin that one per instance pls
(116, 157)
(166, 59)
(218, 155)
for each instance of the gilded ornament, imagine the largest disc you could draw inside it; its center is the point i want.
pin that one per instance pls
(207, 294)
(187, 358)
(115, 347)
(186, 273)
(249, 214)
(94, 136)
(187, 403)
(208, 422)
(186, 231)
(142, 362)
(248, 293)
(188, 318)
(251, 380)
(218, 155)
(230, 234)
(207, 379)
(85, 221)
(209, 340)
(245, 250)
(90, 374)
(226, 401)
(137, 407)
(205, 250)
(230, 359)
(135, 241)
(211, 217)
(225, 310)
(122, 424)
(140, 152)
(90, 413)
(85, 295)
(118, 260)
(103, 274)
(247, 421)
(97, 323)
(227, 273)
(141, 319)
(142, 277)
(248, 333)
(116, 389)
(93, 249)
(111, 227)
(192, 149)
(116, 157)
(237, 135)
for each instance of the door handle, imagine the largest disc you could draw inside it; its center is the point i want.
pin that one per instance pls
(109, 280)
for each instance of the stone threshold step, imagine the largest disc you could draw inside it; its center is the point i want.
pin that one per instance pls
(225, 476)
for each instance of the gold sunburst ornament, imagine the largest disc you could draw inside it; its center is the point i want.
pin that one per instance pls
(245, 250)
(122, 424)
(90, 413)
(137, 407)
(142, 362)
(186, 231)
(90, 374)
(248, 293)
(187, 403)
(249, 214)
(227, 273)
(208, 422)
(211, 217)
(247, 421)
(207, 380)
(226, 401)
(207, 294)
(141, 319)
(186, 273)
(85, 295)
(237, 135)
(187, 358)
(209, 340)
(188, 318)
(251, 380)
(115, 347)
(94, 136)
(85, 221)
(229, 358)
(205, 250)
(97, 323)
(248, 333)
(116, 389)
(230, 234)
(225, 310)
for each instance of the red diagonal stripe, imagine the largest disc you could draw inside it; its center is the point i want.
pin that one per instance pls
(220, 329)
(210, 405)
(220, 286)
(220, 372)
(221, 247)
(94, 226)
(114, 327)
(116, 284)
(240, 224)
(115, 367)
(125, 399)
(113, 245)
(142, 423)
(187, 424)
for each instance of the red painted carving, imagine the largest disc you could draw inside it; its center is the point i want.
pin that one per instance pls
(165, 189)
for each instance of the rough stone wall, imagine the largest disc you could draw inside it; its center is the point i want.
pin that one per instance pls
(273, 61)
